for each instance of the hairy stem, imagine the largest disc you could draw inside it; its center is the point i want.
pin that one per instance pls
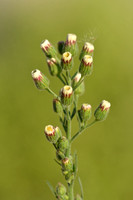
(81, 130)
(51, 92)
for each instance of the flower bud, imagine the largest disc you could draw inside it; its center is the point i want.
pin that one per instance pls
(53, 66)
(78, 197)
(60, 155)
(87, 49)
(63, 144)
(57, 107)
(69, 177)
(102, 111)
(48, 49)
(66, 61)
(85, 112)
(58, 131)
(61, 47)
(66, 95)
(40, 80)
(71, 44)
(67, 164)
(80, 89)
(60, 190)
(51, 134)
(86, 65)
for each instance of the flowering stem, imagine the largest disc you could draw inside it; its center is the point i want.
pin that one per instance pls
(81, 130)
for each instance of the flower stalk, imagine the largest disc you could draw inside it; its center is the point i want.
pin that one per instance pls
(65, 105)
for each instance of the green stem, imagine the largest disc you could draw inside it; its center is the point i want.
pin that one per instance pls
(59, 76)
(68, 77)
(65, 78)
(68, 131)
(71, 193)
(51, 92)
(81, 130)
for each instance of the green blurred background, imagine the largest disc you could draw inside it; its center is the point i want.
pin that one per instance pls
(106, 149)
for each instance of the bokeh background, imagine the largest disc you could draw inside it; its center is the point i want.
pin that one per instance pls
(105, 150)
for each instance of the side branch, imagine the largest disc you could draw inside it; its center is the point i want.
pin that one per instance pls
(81, 130)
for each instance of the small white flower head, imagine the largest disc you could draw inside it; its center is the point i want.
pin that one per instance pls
(77, 77)
(45, 45)
(49, 130)
(71, 39)
(66, 57)
(58, 131)
(88, 47)
(36, 75)
(51, 61)
(86, 106)
(67, 91)
(105, 105)
(87, 60)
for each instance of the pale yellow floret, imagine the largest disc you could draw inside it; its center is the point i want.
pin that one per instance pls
(49, 129)
(88, 59)
(71, 37)
(86, 106)
(67, 90)
(67, 56)
(36, 73)
(105, 104)
(89, 46)
(45, 44)
(77, 77)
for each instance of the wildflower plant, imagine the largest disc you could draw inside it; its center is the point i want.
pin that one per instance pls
(65, 105)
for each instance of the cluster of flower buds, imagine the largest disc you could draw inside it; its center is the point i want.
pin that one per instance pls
(102, 111)
(81, 88)
(48, 49)
(73, 87)
(66, 95)
(85, 112)
(52, 134)
(67, 169)
(40, 80)
(61, 192)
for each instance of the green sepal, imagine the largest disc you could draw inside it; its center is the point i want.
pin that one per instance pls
(67, 164)
(57, 107)
(85, 70)
(100, 115)
(73, 49)
(69, 177)
(60, 190)
(84, 115)
(63, 144)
